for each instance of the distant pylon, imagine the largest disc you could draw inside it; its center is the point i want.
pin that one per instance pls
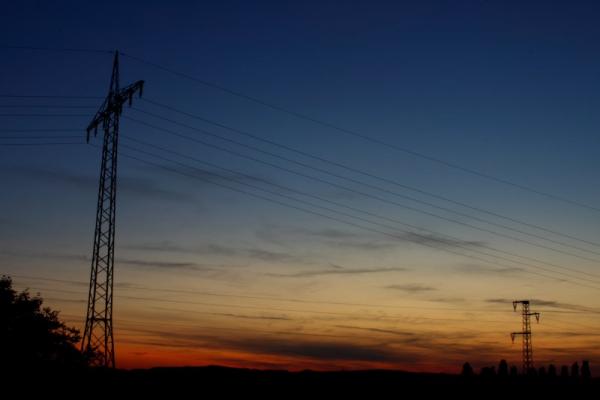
(525, 333)
(98, 333)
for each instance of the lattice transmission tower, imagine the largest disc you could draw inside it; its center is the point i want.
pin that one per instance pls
(98, 332)
(525, 333)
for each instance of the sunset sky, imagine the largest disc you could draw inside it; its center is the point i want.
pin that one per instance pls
(375, 186)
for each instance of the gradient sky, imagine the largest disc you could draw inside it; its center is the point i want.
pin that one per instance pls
(207, 275)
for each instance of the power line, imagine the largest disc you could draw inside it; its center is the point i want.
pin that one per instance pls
(365, 173)
(444, 239)
(410, 239)
(39, 130)
(40, 144)
(357, 314)
(43, 106)
(330, 183)
(351, 132)
(41, 115)
(246, 330)
(367, 137)
(512, 260)
(43, 96)
(413, 199)
(58, 49)
(324, 123)
(188, 325)
(380, 331)
(284, 299)
(395, 318)
(40, 137)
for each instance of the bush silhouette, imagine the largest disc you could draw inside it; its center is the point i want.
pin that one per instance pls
(586, 373)
(467, 370)
(32, 336)
(575, 370)
(542, 372)
(503, 369)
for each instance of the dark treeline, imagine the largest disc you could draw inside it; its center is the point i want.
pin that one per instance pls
(573, 373)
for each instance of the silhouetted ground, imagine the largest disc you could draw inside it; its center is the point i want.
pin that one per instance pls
(201, 381)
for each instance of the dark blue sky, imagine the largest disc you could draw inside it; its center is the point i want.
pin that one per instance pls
(507, 89)
(479, 83)
(511, 89)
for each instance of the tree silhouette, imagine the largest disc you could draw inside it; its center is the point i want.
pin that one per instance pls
(575, 371)
(32, 336)
(586, 373)
(503, 369)
(552, 371)
(564, 372)
(542, 372)
(467, 370)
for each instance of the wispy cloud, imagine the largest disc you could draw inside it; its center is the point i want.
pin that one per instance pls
(477, 269)
(256, 317)
(361, 240)
(398, 346)
(137, 186)
(448, 300)
(163, 264)
(330, 237)
(53, 255)
(65, 300)
(440, 240)
(338, 271)
(330, 350)
(215, 249)
(212, 175)
(118, 260)
(327, 350)
(548, 303)
(380, 330)
(411, 288)
(572, 334)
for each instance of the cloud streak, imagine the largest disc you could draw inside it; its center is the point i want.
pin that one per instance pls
(318, 350)
(411, 288)
(476, 269)
(142, 187)
(549, 303)
(338, 238)
(214, 249)
(212, 175)
(253, 317)
(163, 264)
(337, 271)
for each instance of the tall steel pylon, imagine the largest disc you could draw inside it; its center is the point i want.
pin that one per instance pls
(98, 333)
(525, 333)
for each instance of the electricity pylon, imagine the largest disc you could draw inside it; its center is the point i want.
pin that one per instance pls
(98, 333)
(525, 333)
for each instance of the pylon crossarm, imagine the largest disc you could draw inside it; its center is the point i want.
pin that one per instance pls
(98, 119)
(114, 104)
